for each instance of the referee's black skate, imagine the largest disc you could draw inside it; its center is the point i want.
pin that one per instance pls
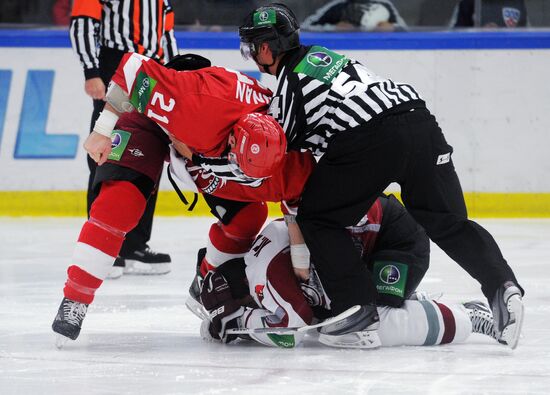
(481, 318)
(68, 321)
(145, 261)
(359, 330)
(507, 307)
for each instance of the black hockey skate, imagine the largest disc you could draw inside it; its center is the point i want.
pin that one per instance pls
(507, 309)
(193, 302)
(359, 330)
(117, 270)
(481, 318)
(68, 320)
(145, 261)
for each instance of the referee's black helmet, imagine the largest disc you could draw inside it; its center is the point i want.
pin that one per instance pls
(274, 24)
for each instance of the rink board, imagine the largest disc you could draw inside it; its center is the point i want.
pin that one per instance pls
(488, 91)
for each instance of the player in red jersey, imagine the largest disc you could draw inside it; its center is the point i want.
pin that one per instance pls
(198, 108)
(137, 149)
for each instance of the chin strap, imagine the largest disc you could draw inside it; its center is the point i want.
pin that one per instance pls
(267, 66)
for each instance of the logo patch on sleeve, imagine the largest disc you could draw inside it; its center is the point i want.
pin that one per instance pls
(390, 277)
(321, 64)
(141, 93)
(119, 141)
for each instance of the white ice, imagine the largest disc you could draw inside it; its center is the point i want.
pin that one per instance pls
(138, 337)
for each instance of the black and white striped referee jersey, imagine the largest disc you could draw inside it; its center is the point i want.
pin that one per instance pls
(145, 27)
(320, 93)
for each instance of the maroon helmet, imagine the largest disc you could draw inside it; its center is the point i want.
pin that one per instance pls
(260, 145)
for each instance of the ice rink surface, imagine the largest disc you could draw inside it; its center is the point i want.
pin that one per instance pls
(138, 337)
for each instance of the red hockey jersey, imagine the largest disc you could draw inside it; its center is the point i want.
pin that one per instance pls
(287, 183)
(198, 107)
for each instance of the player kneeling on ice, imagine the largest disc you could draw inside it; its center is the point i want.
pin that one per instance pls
(259, 296)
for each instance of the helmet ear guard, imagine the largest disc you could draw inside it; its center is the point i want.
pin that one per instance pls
(259, 145)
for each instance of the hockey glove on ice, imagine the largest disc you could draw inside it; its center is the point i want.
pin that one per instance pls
(223, 310)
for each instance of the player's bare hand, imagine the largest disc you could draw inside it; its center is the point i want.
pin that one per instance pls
(301, 274)
(181, 147)
(95, 88)
(98, 147)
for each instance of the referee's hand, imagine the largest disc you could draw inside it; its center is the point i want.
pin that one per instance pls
(95, 88)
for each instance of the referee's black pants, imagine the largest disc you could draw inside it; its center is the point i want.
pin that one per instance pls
(138, 237)
(406, 147)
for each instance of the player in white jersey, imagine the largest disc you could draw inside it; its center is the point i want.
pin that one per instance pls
(277, 300)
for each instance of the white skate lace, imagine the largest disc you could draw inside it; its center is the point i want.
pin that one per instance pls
(482, 321)
(75, 313)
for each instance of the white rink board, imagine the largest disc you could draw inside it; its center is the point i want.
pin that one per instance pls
(493, 105)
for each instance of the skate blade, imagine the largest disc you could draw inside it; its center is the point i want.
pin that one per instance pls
(361, 340)
(60, 341)
(512, 332)
(196, 308)
(116, 272)
(146, 269)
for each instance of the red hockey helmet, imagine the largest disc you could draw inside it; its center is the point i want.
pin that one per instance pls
(259, 145)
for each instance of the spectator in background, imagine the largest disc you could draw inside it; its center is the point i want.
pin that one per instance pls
(368, 15)
(61, 12)
(490, 14)
(101, 33)
(211, 15)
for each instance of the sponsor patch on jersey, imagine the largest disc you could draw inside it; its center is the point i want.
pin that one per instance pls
(119, 141)
(390, 277)
(142, 91)
(321, 64)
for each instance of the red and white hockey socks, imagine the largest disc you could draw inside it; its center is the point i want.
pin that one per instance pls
(226, 242)
(114, 213)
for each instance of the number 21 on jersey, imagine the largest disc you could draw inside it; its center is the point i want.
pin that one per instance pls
(159, 100)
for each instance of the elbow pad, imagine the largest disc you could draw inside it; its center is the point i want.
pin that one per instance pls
(117, 98)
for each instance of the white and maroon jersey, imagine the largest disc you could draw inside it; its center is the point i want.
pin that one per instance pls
(274, 287)
(283, 302)
(198, 107)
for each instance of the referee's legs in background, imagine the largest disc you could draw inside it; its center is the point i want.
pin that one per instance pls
(135, 255)
(432, 193)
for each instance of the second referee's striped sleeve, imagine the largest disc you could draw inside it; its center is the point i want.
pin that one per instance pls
(84, 32)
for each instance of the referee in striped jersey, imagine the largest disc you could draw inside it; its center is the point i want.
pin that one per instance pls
(101, 32)
(368, 132)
